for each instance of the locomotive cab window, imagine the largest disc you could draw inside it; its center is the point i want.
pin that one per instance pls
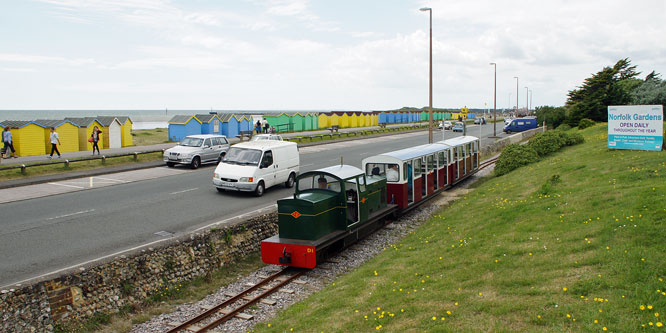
(375, 169)
(319, 182)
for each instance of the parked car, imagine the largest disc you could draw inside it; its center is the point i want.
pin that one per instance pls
(480, 121)
(194, 150)
(260, 137)
(458, 126)
(445, 125)
(520, 124)
(256, 166)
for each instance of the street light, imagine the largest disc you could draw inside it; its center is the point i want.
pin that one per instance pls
(527, 99)
(495, 102)
(426, 9)
(515, 77)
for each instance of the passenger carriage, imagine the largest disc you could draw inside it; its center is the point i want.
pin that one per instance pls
(413, 174)
(331, 209)
(465, 152)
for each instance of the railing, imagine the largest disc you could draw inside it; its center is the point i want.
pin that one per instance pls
(339, 135)
(67, 162)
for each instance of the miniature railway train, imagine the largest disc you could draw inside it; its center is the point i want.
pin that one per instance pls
(336, 206)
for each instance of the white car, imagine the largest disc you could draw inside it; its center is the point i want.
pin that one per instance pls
(194, 150)
(447, 125)
(260, 137)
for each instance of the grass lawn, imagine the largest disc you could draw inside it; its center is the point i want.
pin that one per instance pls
(575, 242)
(76, 166)
(149, 137)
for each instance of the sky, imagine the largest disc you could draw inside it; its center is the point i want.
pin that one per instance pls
(314, 55)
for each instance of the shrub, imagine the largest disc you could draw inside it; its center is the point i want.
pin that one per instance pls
(585, 123)
(548, 142)
(573, 138)
(563, 127)
(514, 156)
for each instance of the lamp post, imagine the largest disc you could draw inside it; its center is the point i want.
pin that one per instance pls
(495, 101)
(527, 99)
(515, 77)
(426, 9)
(530, 98)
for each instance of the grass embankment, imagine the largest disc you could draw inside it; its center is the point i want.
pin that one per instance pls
(149, 137)
(573, 242)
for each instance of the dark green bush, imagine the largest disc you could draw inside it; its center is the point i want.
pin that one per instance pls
(548, 142)
(563, 127)
(514, 156)
(573, 138)
(585, 123)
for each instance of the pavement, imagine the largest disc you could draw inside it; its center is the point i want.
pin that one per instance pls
(135, 166)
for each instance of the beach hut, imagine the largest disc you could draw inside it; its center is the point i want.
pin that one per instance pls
(125, 131)
(28, 137)
(228, 125)
(111, 132)
(308, 124)
(68, 132)
(324, 120)
(182, 126)
(245, 122)
(352, 119)
(298, 122)
(86, 126)
(383, 117)
(210, 123)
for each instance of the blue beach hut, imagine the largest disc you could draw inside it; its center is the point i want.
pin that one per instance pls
(210, 123)
(245, 122)
(390, 118)
(230, 125)
(182, 126)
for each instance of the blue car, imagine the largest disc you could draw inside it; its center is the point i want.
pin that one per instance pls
(520, 124)
(458, 127)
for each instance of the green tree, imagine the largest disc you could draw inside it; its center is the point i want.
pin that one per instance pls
(652, 91)
(553, 115)
(610, 86)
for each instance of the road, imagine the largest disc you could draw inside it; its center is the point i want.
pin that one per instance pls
(39, 235)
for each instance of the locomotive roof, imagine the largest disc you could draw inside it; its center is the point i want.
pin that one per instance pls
(459, 140)
(341, 171)
(413, 152)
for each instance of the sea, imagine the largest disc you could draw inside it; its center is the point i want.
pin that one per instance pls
(141, 119)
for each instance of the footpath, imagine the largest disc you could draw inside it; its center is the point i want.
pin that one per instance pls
(143, 165)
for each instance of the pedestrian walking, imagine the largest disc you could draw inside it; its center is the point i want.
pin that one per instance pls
(257, 127)
(94, 138)
(55, 141)
(8, 142)
(266, 126)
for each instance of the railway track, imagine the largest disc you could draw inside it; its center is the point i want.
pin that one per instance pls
(234, 306)
(487, 163)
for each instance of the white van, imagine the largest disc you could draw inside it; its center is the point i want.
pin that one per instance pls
(257, 165)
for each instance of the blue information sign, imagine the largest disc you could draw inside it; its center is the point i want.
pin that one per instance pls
(639, 127)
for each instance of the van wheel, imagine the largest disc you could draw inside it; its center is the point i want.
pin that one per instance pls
(196, 162)
(259, 191)
(171, 164)
(290, 182)
(508, 132)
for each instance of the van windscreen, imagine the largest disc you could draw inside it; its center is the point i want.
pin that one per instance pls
(242, 156)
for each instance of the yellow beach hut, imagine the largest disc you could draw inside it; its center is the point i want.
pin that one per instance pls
(86, 126)
(28, 137)
(126, 131)
(68, 132)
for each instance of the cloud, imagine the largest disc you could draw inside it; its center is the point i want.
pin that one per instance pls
(37, 59)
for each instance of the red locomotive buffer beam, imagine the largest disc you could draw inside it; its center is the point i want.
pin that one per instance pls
(276, 252)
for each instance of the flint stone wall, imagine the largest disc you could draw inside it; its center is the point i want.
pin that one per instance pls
(130, 279)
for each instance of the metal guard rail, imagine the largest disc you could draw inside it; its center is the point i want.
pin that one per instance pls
(354, 133)
(23, 167)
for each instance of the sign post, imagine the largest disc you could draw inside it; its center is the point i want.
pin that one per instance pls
(638, 127)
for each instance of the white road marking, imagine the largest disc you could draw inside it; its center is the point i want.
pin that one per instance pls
(72, 214)
(91, 182)
(113, 180)
(183, 191)
(67, 185)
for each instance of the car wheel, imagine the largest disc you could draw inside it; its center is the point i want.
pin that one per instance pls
(259, 191)
(171, 164)
(219, 158)
(221, 190)
(196, 162)
(290, 182)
